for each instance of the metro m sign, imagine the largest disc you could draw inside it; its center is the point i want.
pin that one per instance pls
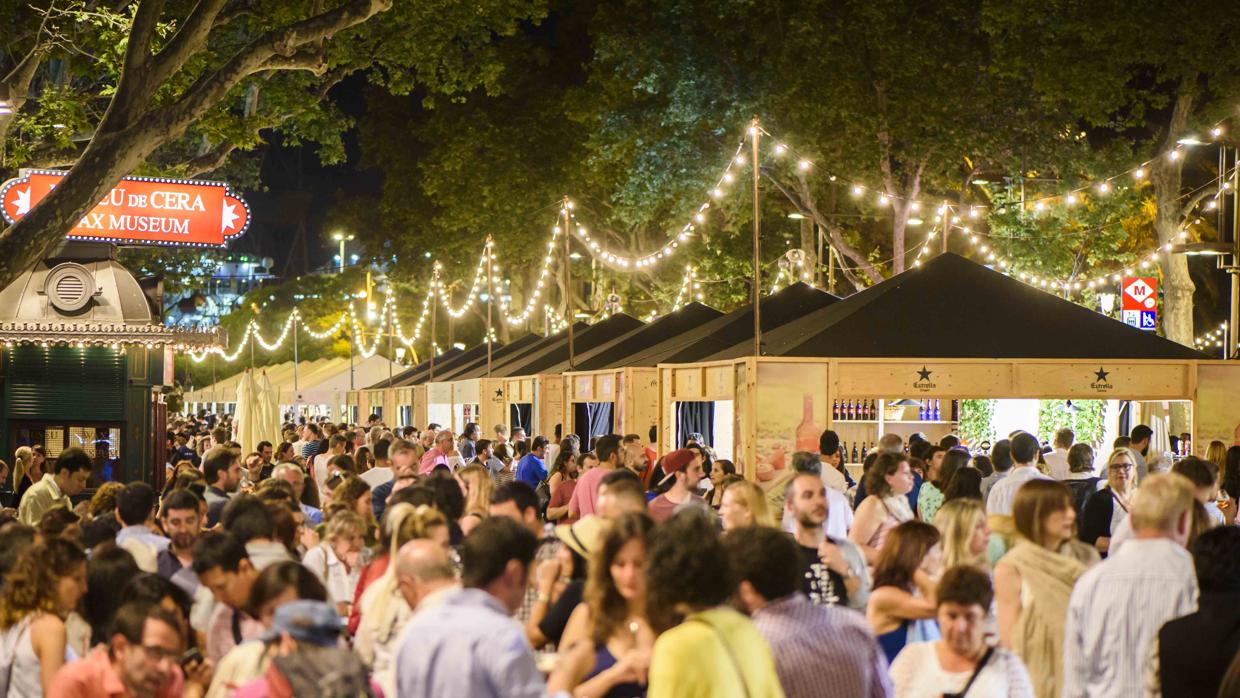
(141, 210)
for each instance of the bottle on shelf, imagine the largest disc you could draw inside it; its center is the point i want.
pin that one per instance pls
(869, 409)
(921, 410)
(844, 451)
(854, 453)
(864, 452)
(852, 411)
(807, 433)
(835, 410)
(937, 414)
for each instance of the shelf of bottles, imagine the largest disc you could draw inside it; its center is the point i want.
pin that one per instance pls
(861, 421)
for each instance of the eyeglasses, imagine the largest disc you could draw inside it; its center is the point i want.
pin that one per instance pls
(1121, 466)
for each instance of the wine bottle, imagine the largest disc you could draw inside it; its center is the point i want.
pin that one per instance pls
(937, 414)
(807, 433)
(869, 409)
(854, 454)
(921, 410)
(835, 410)
(851, 412)
(864, 452)
(844, 451)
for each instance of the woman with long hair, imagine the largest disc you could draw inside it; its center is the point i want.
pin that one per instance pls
(503, 452)
(903, 594)
(888, 482)
(44, 586)
(612, 661)
(109, 570)
(744, 504)
(1231, 472)
(476, 485)
(1034, 580)
(933, 491)
(351, 494)
(1216, 453)
(563, 481)
(1106, 508)
(719, 471)
(963, 532)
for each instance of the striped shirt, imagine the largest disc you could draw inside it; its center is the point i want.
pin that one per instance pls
(1116, 610)
(821, 650)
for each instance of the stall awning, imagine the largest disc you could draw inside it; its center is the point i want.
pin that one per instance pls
(627, 350)
(478, 366)
(778, 309)
(553, 357)
(951, 307)
(405, 376)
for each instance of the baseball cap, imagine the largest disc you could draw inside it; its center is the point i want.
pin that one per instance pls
(315, 622)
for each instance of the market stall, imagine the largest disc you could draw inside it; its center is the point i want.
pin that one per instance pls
(610, 393)
(527, 390)
(903, 354)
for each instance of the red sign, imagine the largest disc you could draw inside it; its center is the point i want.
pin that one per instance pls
(1139, 293)
(141, 210)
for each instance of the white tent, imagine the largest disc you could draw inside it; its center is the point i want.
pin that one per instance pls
(330, 386)
(248, 418)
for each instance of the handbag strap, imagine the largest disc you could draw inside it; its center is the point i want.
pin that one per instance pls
(736, 665)
(977, 670)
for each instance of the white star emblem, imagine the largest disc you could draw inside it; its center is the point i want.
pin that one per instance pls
(229, 219)
(23, 203)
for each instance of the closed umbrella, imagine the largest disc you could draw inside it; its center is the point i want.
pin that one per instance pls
(269, 408)
(246, 416)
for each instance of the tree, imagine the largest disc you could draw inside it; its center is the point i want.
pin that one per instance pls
(198, 69)
(1150, 73)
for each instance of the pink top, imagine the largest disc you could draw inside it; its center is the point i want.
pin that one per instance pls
(431, 459)
(94, 677)
(584, 501)
(220, 631)
(880, 534)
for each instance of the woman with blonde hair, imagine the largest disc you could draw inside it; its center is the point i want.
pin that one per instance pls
(614, 655)
(384, 611)
(744, 504)
(337, 560)
(1034, 580)
(46, 583)
(1107, 508)
(476, 485)
(964, 532)
(1216, 453)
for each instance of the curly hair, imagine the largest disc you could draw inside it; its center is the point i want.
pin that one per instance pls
(31, 584)
(608, 609)
(345, 496)
(104, 500)
(685, 564)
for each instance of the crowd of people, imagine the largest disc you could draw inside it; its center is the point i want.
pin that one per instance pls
(354, 560)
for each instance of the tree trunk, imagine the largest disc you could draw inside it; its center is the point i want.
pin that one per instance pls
(809, 244)
(1165, 176)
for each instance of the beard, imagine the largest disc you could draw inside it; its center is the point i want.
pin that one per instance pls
(183, 541)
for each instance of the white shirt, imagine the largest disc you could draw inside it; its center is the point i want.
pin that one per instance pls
(376, 476)
(1116, 610)
(1004, 491)
(833, 479)
(916, 673)
(839, 516)
(1057, 463)
(340, 582)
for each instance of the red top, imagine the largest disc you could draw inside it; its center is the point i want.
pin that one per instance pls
(368, 575)
(563, 493)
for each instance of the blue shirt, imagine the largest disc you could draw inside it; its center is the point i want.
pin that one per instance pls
(313, 516)
(530, 470)
(467, 646)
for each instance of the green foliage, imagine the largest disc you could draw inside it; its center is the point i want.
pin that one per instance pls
(976, 421)
(1084, 418)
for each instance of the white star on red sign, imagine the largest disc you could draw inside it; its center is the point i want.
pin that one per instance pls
(229, 219)
(23, 203)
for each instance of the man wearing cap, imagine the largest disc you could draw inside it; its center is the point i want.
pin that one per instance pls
(683, 468)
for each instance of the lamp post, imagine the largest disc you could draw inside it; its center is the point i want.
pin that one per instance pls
(342, 238)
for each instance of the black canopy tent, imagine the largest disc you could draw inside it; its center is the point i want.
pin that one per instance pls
(949, 330)
(685, 323)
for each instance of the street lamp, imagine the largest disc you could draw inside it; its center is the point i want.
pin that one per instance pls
(342, 238)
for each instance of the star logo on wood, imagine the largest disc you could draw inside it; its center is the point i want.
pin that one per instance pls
(923, 374)
(1101, 374)
(499, 392)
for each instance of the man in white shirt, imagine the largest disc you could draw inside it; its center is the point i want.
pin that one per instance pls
(1057, 459)
(1118, 605)
(382, 472)
(829, 454)
(335, 447)
(1139, 442)
(1025, 448)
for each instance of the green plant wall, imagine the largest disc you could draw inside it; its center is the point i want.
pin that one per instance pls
(1084, 418)
(976, 421)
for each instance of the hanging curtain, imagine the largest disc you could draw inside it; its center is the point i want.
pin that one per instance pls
(592, 420)
(695, 417)
(521, 415)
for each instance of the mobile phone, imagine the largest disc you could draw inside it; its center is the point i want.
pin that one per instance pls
(191, 658)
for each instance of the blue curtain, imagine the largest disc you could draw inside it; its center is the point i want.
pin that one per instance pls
(520, 415)
(695, 418)
(592, 420)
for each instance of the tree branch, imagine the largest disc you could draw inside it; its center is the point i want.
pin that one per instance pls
(189, 40)
(211, 88)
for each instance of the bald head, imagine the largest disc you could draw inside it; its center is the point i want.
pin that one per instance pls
(423, 567)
